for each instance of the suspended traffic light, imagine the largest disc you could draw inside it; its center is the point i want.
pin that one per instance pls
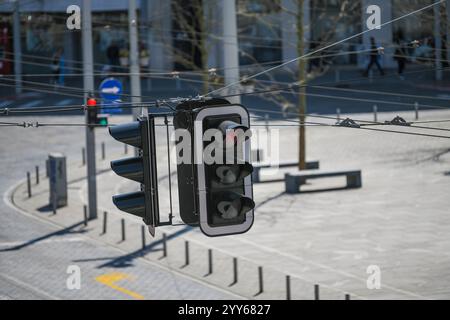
(215, 189)
(142, 169)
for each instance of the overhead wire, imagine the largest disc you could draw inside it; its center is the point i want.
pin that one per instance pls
(321, 49)
(271, 90)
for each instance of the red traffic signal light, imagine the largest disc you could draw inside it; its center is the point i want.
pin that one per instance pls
(91, 102)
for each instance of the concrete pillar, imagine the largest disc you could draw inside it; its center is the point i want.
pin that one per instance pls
(384, 36)
(17, 47)
(230, 44)
(135, 74)
(289, 30)
(212, 10)
(156, 15)
(438, 41)
(447, 5)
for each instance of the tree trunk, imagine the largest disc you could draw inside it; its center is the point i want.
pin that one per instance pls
(302, 89)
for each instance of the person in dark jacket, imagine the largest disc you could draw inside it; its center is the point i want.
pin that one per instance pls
(113, 55)
(374, 55)
(401, 58)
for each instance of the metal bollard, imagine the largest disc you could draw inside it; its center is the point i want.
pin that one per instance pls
(54, 204)
(210, 262)
(235, 272)
(122, 222)
(83, 156)
(288, 287)
(164, 241)
(186, 253)
(375, 113)
(261, 280)
(103, 151)
(105, 222)
(37, 174)
(416, 108)
(259, 157)
(85, 215)
(338, 114)
(316, 292)
(347, 297)
(143, 236)
(29, 184)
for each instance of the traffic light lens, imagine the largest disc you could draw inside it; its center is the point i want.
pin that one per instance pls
(234, 173)
(227, 210)
(226, 175)
(230, 126)
(232, 130)
(230, 137)
(233, 205)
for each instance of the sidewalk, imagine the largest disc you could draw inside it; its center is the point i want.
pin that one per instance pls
(71, 219)
(398, 221)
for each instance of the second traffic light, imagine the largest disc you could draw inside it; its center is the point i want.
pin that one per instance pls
(142, 169)
(94, 117)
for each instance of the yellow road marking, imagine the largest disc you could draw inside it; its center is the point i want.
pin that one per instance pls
(110, 280)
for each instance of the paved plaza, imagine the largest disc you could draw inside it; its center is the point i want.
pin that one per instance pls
(398, 221)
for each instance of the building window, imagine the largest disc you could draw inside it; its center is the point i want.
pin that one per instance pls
(259, 31)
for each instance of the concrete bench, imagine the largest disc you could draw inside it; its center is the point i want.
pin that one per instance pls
(294, 181)
(256, 175)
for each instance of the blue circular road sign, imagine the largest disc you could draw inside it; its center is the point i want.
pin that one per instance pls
(111, 89)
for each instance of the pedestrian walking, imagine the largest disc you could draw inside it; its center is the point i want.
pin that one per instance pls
(374, 58)
(113, 55)
(314, 61)
(401, 57)
(56, 66)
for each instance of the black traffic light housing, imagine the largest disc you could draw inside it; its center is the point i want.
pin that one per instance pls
(142, 169)
(92, 110)
(217, 197)
(93, 115)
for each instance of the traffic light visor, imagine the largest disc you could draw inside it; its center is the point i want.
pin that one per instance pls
(131, 168)
(133, 203)
(129, 133)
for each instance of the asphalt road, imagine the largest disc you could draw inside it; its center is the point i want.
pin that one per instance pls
(35, 257)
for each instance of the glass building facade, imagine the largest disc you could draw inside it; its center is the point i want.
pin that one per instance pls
(266, 30)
